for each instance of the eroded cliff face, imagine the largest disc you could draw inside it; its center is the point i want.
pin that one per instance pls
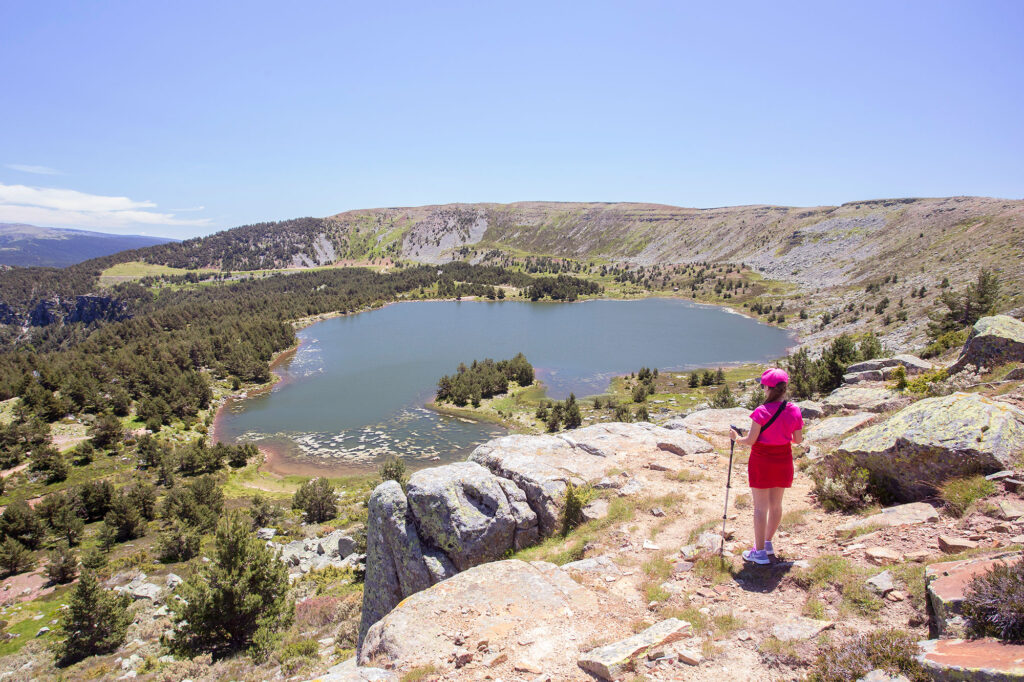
(508, 496)
(85, 309)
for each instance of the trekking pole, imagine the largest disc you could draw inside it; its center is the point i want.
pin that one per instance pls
(728, 486)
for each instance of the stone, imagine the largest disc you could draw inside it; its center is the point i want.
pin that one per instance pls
(709, 541)
(933, 440)
(1010, 509)
(505, 602)
(811, 409)
(881, 584)
(834, 427)
(650, 546)
(946, 660)
(610, 661)
(266, 533)
(349, 671)
(598, 565)
(463, 510)
(879, 675)
(172, 580)
(1000, 475)
(336, 545)
(946, 581)
(1013, 485)
(146, 591)
(883, 556)
(863, 399)
(685, 655)
(492, 660)
(632, 488)
(993, 341)
(912, 363)
(42, 631)
(866, 375)
(711, 423)
(800, 628)
(898, 515)
(954, 545)
(596, 509)
(895, 596)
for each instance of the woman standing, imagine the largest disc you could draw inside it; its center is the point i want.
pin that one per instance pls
(774, 427)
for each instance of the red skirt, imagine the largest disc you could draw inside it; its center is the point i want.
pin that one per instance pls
(770, 466)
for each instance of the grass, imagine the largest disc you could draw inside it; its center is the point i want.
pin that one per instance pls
(814, 608)
(713, 569)
(784, 652)
(743, 501)
(685, 476)
(839, 572)
(960, 494)
(862, 530)
(703, 527)
(658, 567)
(25, 625)
(794, 518)
(418, 673)
(655, 592)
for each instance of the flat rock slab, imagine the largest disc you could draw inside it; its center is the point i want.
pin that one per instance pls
(800, 628)
(348, 671)
(608, 662)
(863, 398)
(954, 545)
(912, 363)
(946, 582)
(810, 409)
(933, 440)
(1010, 509)
(712, 423)
(533, 611)
(898, 515)
(976, 659)
(993, 341)
(834, 427)
(598, 565)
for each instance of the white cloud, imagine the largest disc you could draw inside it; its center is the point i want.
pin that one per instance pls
(37, 170)
(54, 207)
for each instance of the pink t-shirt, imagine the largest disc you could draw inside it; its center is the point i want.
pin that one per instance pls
(781, 431)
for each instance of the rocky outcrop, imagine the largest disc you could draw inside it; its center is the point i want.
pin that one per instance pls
(935, 439)
(890, 517)
(302, 556)
(863, 398)
(955, 660)
(612, 660)
(85, 309)
(834, 427)
(508, 496)
(712, 423)
(912, 363)
(532, 609)
(946, 583)
(993, 341)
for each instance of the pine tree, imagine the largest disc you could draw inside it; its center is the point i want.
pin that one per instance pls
(239, 597)
(694, 380)
(63, 566)
(316, 498)
(14, 557)
(571, 413)
(20, 521)
(95, 622)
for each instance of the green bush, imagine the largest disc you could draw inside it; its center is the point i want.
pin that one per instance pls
(95, 622)
(899, 376)
(576, 498)
(723, 398)
(20, 521)
(944, 342)
(63, 566)
(14, 557)
(960, 493)
(317, 500)
(179, 542)
(303, 648)
(840, 485)
(394, 469)
(890, 650)
(994, 602)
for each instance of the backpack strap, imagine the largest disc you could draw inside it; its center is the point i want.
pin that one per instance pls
(773, 418)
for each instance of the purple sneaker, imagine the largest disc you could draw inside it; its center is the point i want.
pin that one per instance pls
(768, 549)
(756, 556)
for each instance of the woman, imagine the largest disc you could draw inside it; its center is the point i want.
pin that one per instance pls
(774, 427)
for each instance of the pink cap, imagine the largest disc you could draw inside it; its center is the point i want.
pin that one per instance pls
(774, 377)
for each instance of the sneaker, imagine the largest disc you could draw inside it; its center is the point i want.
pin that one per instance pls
(768, 549)
(756, 556)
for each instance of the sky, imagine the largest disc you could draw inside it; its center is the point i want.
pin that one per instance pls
(180, 119)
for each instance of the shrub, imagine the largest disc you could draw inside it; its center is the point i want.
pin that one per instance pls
(316, 612)
(994, 602)
(622, 414)
(576, 498)
(840, 485)
(756, 398)
(63, 566)
(20, 521)
(106, 431)
(303, 648)
(179, 542)
(93, 499)
(870, 347)
(15, 557)
(944, 342)
(723, 398)
(239, 597)
(921, 382)
(264, 512)
(642, 415)
(960, 493)
(124, 518)
(393, 469)
(316, 499)
(199, 503)
(899, 376)
(890, 650)
(95, 622)
(50, 461)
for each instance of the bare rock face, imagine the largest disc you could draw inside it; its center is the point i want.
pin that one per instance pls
(993, 341)
(974, 659)
(864, 399)
(712, 422)
(935, 439)
(833, 427)
(533, 611)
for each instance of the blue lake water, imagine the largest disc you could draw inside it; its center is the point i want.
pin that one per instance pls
(355, 389)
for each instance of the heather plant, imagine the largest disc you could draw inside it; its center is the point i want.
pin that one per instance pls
(994, 602)
(890, 650)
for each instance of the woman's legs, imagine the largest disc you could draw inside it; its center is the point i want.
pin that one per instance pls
(774, 515)
(762, 508)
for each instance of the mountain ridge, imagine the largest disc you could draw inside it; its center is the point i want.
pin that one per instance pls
(25, 245)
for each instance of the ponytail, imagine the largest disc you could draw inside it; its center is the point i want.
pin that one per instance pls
(776, 393)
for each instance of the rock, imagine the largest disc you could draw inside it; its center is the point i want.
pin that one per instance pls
(348, 671)
(936, 439)
(709, 541)
(395, 565)
(864, 399)
(492, 660)
(650, 546)
(598, 565)
(799, 628)
(898, 515)
(833, 427)
(810, 409)
(266, 533)
(336, 545)
(879, 675)
(883, 556)
(946, 582)
(881, 584)
(867, 375)
(42, 631)
(596, 509)
(953, 545)
(172, 580)
(912, 363)
(1000, 475)
(685, 655)
(946, 660)
(146, 591)
(610, 661)
(504, 602)
(712, 423)
(463, 510)
(1010, 509)
(632, 488)
(993, 341)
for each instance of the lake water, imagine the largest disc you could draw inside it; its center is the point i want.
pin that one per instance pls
(354, 390)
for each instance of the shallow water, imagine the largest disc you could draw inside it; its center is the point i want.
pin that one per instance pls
(354, 391)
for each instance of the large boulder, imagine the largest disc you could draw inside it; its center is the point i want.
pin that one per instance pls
(993, 341)
(863, 399)
(711, 423)
(912, 363)
(463, 510)
(534, 612)
(936, 439)
(834, 427)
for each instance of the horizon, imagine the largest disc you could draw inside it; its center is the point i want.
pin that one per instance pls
(274, 113)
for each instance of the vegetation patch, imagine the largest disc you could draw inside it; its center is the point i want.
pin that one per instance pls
(994, 602)
(890, 650)
(960, 494)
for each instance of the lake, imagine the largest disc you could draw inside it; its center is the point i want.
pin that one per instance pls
(354, 390)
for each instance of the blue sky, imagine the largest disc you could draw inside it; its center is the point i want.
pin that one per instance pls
(188, 117)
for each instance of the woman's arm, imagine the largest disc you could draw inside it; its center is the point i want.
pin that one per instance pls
(798, 436)
(750, 438)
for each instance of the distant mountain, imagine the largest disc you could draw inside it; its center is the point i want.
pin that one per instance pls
(29, 245)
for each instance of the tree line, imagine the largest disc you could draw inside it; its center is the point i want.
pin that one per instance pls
(483, 379)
